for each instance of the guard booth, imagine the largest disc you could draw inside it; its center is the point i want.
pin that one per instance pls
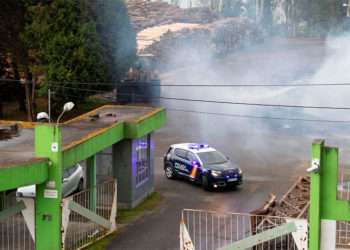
(39, 154)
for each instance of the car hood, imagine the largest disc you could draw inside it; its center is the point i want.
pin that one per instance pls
(221, 166)
(27, 191)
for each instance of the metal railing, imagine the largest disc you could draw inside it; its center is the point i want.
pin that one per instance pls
(80, 231)
(213, 230)
(14, 234)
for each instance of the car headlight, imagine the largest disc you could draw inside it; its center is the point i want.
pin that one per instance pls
(240, 171)
(215, 173)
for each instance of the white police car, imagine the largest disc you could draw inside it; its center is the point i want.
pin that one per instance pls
(201, 164)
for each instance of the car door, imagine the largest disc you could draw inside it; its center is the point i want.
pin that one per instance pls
(73, 179)
(65, 182)
(194, 166)
(181, 162)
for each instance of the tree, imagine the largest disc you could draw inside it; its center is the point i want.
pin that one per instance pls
(13, 48)
(79, 41)
(117, 35)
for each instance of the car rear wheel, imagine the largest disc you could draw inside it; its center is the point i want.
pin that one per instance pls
(80, 185)
(169, 171)
(205, 183)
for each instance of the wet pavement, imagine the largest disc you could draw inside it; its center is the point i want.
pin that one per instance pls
(272, 153)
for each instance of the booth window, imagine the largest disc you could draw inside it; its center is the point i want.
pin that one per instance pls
(142, 150)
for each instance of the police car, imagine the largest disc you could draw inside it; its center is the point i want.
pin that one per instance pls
(201, 164)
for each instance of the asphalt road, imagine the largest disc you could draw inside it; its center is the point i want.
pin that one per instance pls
(272, 153)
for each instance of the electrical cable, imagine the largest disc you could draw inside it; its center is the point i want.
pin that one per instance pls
(231, 102)
(244, 116)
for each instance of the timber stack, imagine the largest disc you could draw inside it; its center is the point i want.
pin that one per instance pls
(293, 204)
(217, 38)
(145, 14)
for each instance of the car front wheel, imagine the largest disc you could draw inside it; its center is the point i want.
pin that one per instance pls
(205, 183)
(169, 171)
(80, 185)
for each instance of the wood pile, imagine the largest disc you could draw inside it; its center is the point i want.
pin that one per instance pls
(145, 14)
(294, 204)
(218, 38)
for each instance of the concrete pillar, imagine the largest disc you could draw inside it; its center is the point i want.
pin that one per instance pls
(91, 181)
(130, 190)
(49, 194)
(328, 234)
(122, 171)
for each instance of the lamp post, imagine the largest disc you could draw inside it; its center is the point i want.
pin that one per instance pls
(66, 108)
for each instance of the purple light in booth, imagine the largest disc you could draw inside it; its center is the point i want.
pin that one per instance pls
(133, 158)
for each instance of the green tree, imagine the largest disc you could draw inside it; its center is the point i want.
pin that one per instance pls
(79, 41)
(116, 33)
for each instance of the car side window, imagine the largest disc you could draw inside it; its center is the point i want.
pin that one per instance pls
(191, 157)
(66, 173)
(181, 153)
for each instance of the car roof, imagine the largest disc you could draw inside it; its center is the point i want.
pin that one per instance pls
(194, 147)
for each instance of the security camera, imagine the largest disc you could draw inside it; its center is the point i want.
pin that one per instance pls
(315, 166)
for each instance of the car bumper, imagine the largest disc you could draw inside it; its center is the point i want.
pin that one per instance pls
(225, 182)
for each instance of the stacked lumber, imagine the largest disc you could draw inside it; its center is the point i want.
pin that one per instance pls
(218, 38)
(294, 203)
(144, 14)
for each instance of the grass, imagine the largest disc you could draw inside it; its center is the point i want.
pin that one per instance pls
(126, 216)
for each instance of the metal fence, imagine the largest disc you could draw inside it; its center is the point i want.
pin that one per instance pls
(213, 230)
(14, 234)
(80, 231)
(343, 193)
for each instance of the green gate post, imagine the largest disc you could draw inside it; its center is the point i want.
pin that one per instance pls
(315, 195)
(48, 214)
(91, 181)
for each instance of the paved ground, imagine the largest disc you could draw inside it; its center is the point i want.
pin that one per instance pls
(272, 153)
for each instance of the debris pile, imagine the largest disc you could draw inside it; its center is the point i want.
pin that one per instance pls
(145, 14)
(294, 204)
(9, 131)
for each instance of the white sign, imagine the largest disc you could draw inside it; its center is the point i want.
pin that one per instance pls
(54, 147)
(50, 193)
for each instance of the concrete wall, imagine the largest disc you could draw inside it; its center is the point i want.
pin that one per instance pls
(124, 169)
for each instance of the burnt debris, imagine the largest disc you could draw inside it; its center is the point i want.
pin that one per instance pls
(9, 131)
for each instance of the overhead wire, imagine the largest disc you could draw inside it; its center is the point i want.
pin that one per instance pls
(238, 115)
(272, 105)
(178, 84)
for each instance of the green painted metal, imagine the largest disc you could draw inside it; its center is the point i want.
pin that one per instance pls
(262, 237)
(123, 130)
(89, 215)
(92, 146)
(315, 195)
(22, 175)
(46, 173)
(331, 208)
(91, 181)
(323, 194)
(8, 212)
(48, 214)
(141, 128)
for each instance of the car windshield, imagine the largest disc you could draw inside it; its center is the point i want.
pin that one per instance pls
(212, 157)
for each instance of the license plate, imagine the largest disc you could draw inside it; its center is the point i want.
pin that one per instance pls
(231, 179)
